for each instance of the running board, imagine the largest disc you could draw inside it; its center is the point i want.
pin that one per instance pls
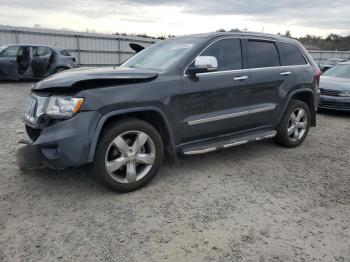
(227, 142)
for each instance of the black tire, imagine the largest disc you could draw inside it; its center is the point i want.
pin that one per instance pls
(111, 132)
(283, 138)
(60, 69)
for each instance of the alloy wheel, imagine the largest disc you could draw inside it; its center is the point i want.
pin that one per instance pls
(130, 156)
(297, 124)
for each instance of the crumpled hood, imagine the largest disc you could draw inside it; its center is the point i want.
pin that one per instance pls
(73, 77)
(335, 83)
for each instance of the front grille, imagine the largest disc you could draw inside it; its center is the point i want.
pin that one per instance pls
(330, 92)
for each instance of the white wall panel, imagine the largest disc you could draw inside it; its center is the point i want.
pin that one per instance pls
(100, 49)
(7, 38)
(92, 48)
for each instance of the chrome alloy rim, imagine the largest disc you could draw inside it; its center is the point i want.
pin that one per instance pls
(130, 156)
(297, 124)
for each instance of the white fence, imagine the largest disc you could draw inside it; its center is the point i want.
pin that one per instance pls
(101, 49)
(88, 48)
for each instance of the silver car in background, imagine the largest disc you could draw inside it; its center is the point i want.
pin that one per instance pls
(33, 61)
(335, 88)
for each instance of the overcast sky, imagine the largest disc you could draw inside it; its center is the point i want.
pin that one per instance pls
(178, 17)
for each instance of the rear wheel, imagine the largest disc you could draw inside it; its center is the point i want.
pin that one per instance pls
(128, 155)
(294, 125)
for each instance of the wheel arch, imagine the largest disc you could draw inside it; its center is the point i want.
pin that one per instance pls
(151, 115)
(307, 96)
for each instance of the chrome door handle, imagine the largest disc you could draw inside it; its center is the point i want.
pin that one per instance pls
(240, 78)
(287, 73)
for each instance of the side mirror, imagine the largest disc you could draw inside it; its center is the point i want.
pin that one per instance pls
(203, 64)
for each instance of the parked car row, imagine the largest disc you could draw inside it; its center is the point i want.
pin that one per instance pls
(186, 95)
(33, 61)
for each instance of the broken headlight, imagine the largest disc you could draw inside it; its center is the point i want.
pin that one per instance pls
(63, 106)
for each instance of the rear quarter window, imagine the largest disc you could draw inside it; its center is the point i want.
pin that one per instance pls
(65, 53)
(262, 54)
(290, 54)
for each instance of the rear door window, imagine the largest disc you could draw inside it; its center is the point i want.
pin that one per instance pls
(262, 54)
(41, 51)
(228, 52)
(290, 54)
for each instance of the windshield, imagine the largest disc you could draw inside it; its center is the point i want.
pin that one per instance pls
(2, 48)
(164, 54)
(340, 70)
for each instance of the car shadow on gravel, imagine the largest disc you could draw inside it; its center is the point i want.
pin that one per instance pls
(81, 179)
(71, 179)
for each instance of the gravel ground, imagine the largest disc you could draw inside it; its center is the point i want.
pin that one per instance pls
(257, 202)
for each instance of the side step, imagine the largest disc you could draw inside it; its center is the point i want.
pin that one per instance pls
(226, 142)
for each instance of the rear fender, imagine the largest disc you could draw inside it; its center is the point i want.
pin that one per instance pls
(312, 105)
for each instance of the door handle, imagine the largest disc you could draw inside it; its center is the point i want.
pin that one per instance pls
(287, 73)
(240, 78)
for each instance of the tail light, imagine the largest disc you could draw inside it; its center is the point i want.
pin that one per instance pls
(74, 60)
(318, 74)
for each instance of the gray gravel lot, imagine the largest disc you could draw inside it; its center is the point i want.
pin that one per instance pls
(258, 202)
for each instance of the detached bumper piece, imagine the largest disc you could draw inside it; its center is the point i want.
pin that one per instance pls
(29, 156)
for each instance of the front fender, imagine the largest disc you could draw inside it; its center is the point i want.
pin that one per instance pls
(114, 113)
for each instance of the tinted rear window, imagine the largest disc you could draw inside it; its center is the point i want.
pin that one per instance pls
(262, 54)
(290, 55)
(41, 51)
(228, 52)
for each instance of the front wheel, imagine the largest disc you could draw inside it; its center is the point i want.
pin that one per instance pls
(294, 125)
(128, 155)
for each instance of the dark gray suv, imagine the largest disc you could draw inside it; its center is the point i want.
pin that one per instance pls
(188, 95)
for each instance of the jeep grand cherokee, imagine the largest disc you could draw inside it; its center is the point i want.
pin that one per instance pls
(187, 95)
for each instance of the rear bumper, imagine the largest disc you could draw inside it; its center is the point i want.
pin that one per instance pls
(335, 102)
(65, 144)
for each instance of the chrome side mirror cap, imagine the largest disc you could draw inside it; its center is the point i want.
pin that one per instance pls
(203, 64)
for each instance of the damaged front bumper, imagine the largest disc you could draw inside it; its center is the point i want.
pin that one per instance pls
(62, 145)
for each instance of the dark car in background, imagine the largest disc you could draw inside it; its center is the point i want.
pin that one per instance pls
(33, 61)
(335, 88)
(329, 63)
